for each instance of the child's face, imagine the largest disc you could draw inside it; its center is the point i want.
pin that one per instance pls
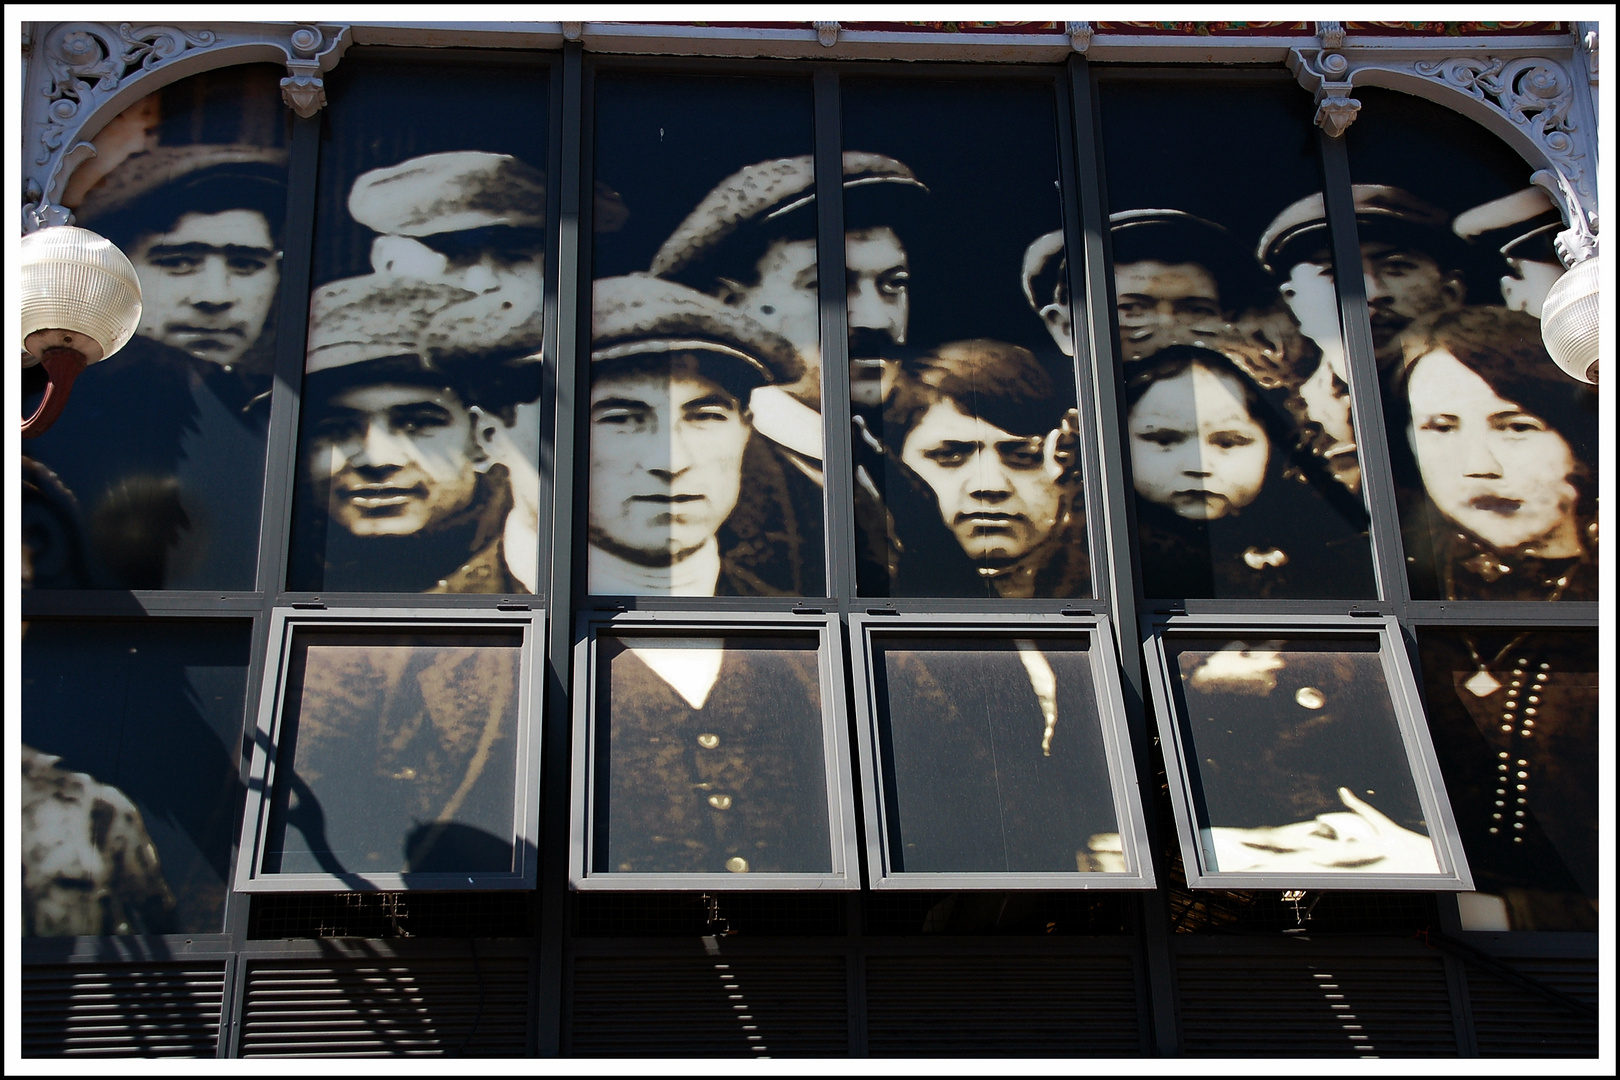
(1194, 446)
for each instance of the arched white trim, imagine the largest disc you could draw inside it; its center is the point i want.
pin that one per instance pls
(83, 74)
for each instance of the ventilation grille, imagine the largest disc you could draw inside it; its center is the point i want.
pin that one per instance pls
(712, 1007)
(631, 914)
(1513, 1022)
(1280, 1006)
(409, 1007)
(1007, 1005)
(122, 1012)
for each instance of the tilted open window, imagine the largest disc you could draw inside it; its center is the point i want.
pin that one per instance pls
(1298, 757)
(996, 753)
(394, 750)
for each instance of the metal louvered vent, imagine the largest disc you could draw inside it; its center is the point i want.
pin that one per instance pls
(1002, 1005)
(637, 914)
(122, 1012)
(1511, 1022)
(402, 1007)
(1242, 1005)
(389, 915)
(709, 1007)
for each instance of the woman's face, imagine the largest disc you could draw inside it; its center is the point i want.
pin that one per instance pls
(1194, 446)
(1490, 466)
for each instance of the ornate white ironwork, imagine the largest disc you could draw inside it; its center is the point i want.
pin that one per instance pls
(90, 71)
(1080, 35)
(826, 33)
(1330, 34)
(1529, 100)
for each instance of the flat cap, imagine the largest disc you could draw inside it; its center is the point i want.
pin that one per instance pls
(255, 173)
(1039, 257)
(1174, 236)
(767, 191)
(1383, 208)
(450, 192)
(1520, 225)
(639, 315)
(373, 317)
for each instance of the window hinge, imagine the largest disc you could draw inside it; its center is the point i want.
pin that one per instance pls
(511, 605)
(1076, 611)
(309, 605)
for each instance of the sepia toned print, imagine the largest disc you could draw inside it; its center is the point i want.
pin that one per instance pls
(994, 757)
(714, 757)
(1297, 760)
(398, 755)
(153, 479)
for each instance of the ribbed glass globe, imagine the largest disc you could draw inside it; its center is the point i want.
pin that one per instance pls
(1569, 320)
(76, 281)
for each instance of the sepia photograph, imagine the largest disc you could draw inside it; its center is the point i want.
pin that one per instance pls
(419, 437)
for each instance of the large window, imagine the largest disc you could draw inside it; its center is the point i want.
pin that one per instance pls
(877, 471)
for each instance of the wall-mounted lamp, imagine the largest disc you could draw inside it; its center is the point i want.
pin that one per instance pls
(1569, 320)
(81, 302)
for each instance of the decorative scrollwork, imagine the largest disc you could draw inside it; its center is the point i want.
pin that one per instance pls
(1534, 93)
(85, 66)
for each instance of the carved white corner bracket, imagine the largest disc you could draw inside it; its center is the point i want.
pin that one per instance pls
(826, 33)
(1527, 100)
(85, 73)
(1080, 34)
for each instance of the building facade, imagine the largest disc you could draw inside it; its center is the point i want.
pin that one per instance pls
(508, 599)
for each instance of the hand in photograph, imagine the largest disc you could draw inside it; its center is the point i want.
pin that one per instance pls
(1360, 839)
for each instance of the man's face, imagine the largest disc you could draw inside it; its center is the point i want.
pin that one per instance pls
(1194, 447)
(1403, 284)
(1162, 304)
(785, 299)
(395, 459)
(666, 461)
(997, 491)
(208, 284)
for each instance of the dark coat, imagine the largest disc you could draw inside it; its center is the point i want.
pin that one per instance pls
(742, 778)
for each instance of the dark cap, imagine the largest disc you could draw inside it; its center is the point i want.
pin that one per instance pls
(996, 381)
(1175, 236)
(207, 178)
(1382, 213)
(766, 193)
(1517, 226)
(646, 317)
(450, 192)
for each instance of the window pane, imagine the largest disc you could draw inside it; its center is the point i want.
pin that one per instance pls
(1296, 758)
(419, 446)
(153, 476)
(1238, 422)
(705, 419)
(993, 756)
(397, 753)
(714, 760)
(1494, 449)
(1515, 722)
(961, 348)
(130, 791)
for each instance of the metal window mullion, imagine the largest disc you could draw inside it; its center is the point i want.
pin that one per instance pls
(572, 300)
(1366, 398)
(837, 453)
(1089, 236)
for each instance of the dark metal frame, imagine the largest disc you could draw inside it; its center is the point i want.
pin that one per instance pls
(1111, 720)
(589, 739)
(285, 625)
(1407, 703)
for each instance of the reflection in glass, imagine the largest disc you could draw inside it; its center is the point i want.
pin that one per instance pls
(1228, 502)
(397, 754)
(1296, 759)
(419, 455)
(1514, 718)
(129, 792)
(993, 757)
(961, 345)
(706, 434)
(152, 478)
(714, 759)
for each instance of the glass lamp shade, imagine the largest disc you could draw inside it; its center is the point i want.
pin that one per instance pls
(1569, 321)
(78, 292)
